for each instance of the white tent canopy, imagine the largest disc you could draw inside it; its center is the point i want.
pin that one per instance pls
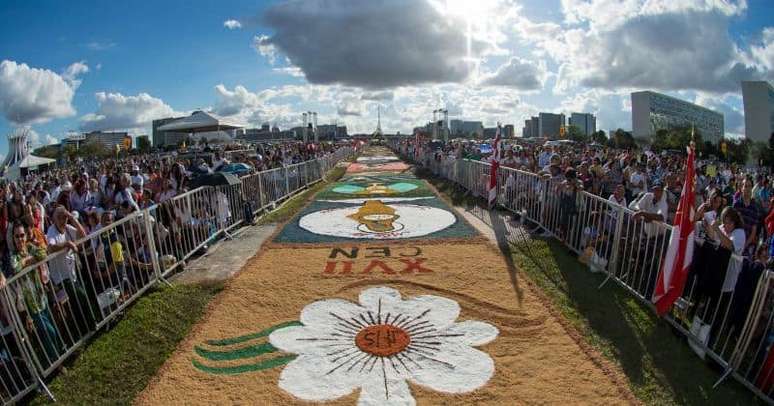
(32, 161)
(199, 121)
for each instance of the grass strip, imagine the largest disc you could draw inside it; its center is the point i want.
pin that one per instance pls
(120, 362)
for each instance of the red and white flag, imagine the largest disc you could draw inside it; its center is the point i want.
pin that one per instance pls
(674, 269)
(495, 161)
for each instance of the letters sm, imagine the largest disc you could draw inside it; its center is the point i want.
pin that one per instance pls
(376, 260)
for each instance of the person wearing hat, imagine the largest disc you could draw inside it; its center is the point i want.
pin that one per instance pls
(652, 207)
(137, 178)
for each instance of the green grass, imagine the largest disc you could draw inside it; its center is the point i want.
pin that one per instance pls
(291, 206)
(119, 363)
(660, 367)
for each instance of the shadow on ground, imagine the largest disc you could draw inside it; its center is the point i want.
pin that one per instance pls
(659, 365)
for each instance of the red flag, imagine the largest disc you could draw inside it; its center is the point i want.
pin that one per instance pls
(674, 269)
(493, 171)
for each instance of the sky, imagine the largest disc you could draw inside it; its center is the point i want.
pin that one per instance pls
(97, 65)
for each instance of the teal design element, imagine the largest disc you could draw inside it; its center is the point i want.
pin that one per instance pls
(250, 351)
(402, 187)
(240, 369)
(348, 189)
(248, 337)
(242, 353)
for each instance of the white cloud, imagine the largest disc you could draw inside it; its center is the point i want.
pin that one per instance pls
(118, 112)
(232, 24)
(375, 44)
(35, 139)
(519, 74)
(231, 102)
(71, 73)
(671, 51)
(262, 44)
(607, 15)
(32, 95)
(100, 46)
(350, 106)
(763, 53)
(293, 71)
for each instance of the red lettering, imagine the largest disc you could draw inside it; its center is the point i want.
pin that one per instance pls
(414, 265)
(330, 267)
(376, 263)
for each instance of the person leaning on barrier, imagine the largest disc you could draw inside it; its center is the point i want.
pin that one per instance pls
(651, 206)
(31, 296)
(61, 236)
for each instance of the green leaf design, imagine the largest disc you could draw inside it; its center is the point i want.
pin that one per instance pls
(252, 336)
(253, 350)
(242, 353)
(239, 369)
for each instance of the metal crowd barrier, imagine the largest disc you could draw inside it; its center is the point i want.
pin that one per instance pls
(725, 314)
(51, 308)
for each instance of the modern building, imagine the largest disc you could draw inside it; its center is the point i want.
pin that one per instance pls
(164, 138)
(653, 111)
(110, 139)
(550, 125)
(463, 128)
(200, 125)
(331, 131)
(266, 134)
(758, 99)
(74, 139)
(531, 128)
(509, 131)
(586, 122)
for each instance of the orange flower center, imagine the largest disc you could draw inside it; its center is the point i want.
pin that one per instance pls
(382, 340)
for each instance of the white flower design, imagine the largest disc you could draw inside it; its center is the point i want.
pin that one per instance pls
(381, 343)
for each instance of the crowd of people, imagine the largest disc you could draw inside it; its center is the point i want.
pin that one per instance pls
(650, 183)
(44, 214)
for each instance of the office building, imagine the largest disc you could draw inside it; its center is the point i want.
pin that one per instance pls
(549, 125)
(653, 111)
(758, 100)
(531, 128)
(164, 138)
(462, 128)
(508, 131)
(586, 123)
(110, 140)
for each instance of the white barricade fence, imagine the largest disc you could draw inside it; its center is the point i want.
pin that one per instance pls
(51, 307)
(726, 311)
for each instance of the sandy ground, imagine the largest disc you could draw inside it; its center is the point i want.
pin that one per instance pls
(537, 359)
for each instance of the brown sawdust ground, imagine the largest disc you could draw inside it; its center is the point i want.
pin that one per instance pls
(537, 359)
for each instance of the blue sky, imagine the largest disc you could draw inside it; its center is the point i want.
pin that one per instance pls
(493, 60)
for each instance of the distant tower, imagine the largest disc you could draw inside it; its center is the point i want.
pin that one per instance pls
(378, 132)
(18, 147)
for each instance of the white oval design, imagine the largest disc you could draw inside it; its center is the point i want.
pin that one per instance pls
(416, 221)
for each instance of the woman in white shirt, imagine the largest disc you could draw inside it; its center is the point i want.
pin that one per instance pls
(728, 230)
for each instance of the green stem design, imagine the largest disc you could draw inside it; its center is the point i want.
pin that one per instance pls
(250, 351)
(252, 336)
(242, 353)
(239, 369)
